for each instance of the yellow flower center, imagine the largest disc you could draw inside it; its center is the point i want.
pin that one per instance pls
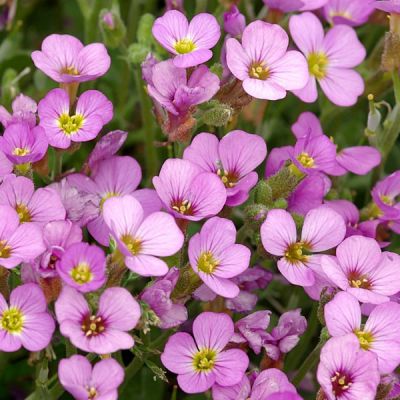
(317, 63)
(295, 253)
(365, 339)
(305, 160)
(229, 179)
(184, 46)
(204, 360)
(5, 250)
(21, 151)
(133, 245)
(71, 70)
(387, 200)
(12, 320)
(183, 207)
(259, 70)
(92, 393)
(70, 124)
(92, 325)
(107, 196)
(207, 263)
(81, 273)
(359, 281)
(23, 213)
(344, 14)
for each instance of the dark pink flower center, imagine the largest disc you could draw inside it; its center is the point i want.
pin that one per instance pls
(341, 382)
(93, 325)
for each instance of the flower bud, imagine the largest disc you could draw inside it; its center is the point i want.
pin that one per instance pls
(263, 193)
(174, 5)
(234, 21)
(218, 115)
(374, 116)
(112, 28)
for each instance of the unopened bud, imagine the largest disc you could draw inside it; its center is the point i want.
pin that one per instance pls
(234, 21)
(112, 28)
(219, 115)
(263, 193)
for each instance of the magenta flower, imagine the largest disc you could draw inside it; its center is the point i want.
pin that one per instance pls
(331, 58)
(57, 236)
(379, 335)
(100, 331)
(322, 229)
(174, 91)
(234, 21)
(83, 267)
(287, 6)
(18, 243)
(347, 372)
(65, 59)
(189, 42)
(142, 239)
(233, 159)
(389, 6)
(263, 63)
(31, 205)
(25, 322)
(22, 144)
(216, 258)
(101, 382)
(285, 336)
(361, 269)
(348, 12)
(202, 361)
(158, 297)
(188, 192)
(110, 179)
(24, 110)
(63, 126)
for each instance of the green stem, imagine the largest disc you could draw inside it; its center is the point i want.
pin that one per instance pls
(309, 363)
(201, 6)
(133, 20)
(91, 22)
(131, 370)
(174, 392)
(396, 86)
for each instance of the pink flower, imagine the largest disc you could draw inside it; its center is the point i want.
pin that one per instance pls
(24, 110)
(25, 322)
(348, 12)
(263, 63)
(188, 192)
(62, 126)
(322, 229)
(110, 179)
(379, 335)
(347, 372)
(18, 243)
(100, 331)
(361, 269)
(294, 5)
(22, 144)
(65, 59)
(233, 159)
(101, 382)
(30, 204)
(189, 42)
(216, 258)
(142, 239)
(331, 58)
(83, 267)
(389, 6)
(202, 361)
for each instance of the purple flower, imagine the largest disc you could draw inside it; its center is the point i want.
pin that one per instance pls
(234, 21)
(202, 361)
(233, 159)
(18, 243)
(251, 329)
(285, 336)
(389, 6)
(23, 144)
(57, 236)
(361, 269)
(347, 372)
(263, 63)
(348, 12)
(24, 110)
(323, 229)
(100, 331)
(271, 384)
(78, 377)
(65, 59)
(158, 297)
(379, 335)
(83, 267)
(188, 192)
(63, 126)
(110, 179)
(189, 42)
(173, 90)
(30, 204)
(331, 58)
(142, 239)
(216, 258)
(294, 5)
(25, 322)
